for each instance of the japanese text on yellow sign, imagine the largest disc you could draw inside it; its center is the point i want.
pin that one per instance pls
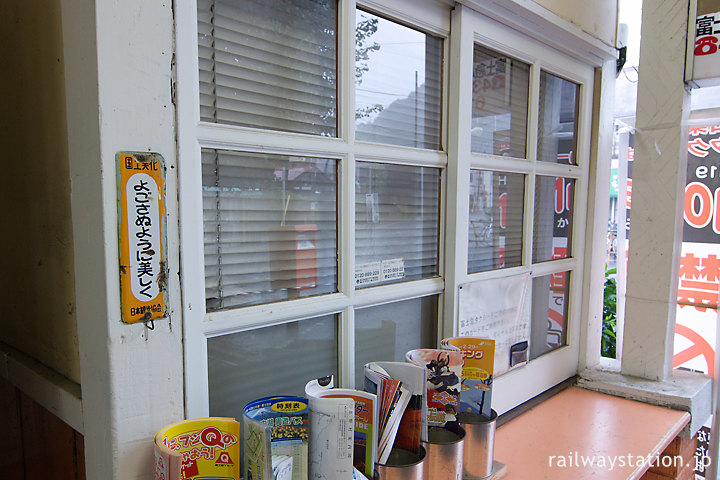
(141, 216)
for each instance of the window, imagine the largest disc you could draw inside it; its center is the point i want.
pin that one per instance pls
(522, 169)
(387, 332)
(351, 172)
(247, 365)
(321, 190)
(398, 83)
(269, 65)
(397, 223)
(495, 220)
(270, 224)
(500, 86)
(497, 199)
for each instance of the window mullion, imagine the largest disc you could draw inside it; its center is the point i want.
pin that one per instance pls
(346, 348)
(346, 227)
(532, 136)
(528, 219)
(346, 118)
(458, 171)
(346, 71)
(229, 321)
(533, 112)
(231, 137)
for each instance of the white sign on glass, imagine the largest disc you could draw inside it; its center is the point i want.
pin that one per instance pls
(498, 309)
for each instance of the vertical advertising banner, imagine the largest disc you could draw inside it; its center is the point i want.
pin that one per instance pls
(699, 272)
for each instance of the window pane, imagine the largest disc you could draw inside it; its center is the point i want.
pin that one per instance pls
(269, 64)
(386, 332)
(499, 104)
(558, 119)
(496, 220)
(398, 84)
(552, 236)
(276, 360)
(270, 225)
(549, 313)
(397, 222)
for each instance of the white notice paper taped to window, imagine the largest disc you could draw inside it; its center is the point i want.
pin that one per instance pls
(367, 273)
(393, 269)
(497, 309)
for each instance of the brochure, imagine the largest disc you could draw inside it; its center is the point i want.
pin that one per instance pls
(275, 441)
(477, 373)
(336, 416)
(443, 372)
(332, 428)
(198, 448)
(400, 389)
(365, 445)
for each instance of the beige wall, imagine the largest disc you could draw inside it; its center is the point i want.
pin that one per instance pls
(598, 18)
(37, 290)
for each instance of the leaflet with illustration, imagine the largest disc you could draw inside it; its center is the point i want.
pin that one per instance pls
(342, 430)
(257, 454)
(443, 369)
(400, 389)
(477, 373)
(275, 441)
(198, 448)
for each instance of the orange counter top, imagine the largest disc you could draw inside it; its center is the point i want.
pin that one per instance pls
(578, 434)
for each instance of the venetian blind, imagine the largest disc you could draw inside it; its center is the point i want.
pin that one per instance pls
(397, 222)
(495, 230)
(270, 227)
(269, 64)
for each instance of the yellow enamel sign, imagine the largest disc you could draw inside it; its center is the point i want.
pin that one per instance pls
(141, 217)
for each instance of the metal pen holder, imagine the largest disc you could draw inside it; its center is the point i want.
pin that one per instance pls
(445, 447)
(479, 445)
(402, 465)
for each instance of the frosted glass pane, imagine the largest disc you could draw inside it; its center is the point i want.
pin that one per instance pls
(277, 360)
(386, 332)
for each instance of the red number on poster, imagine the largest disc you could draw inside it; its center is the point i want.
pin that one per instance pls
(562, 195)
(701, 206)
(502, 204)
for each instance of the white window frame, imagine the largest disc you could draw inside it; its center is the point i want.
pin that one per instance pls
(431, 16)
(470, 28)
(193, 135)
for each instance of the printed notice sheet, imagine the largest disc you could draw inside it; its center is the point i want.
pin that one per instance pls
(498, 309)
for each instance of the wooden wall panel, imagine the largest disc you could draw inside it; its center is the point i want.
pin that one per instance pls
(11, 444)
(34, 443)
